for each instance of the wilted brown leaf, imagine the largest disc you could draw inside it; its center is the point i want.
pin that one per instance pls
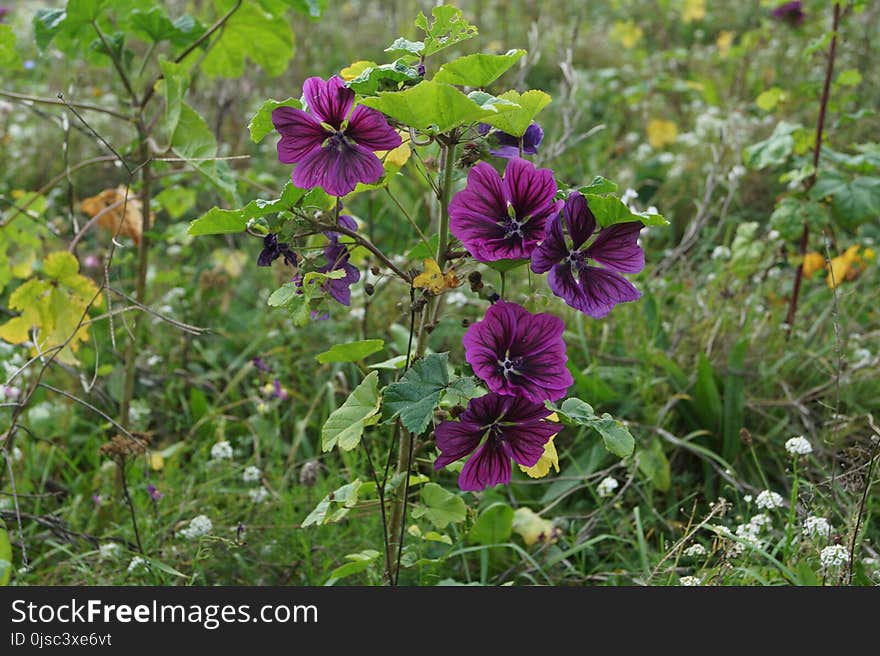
(115, 213)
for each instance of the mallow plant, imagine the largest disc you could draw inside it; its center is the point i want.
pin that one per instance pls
(501, 407)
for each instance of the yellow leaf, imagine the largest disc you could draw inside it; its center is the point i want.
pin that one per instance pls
(395, 159)
(694, 10)
(15, 331)
(626, 33)
(117, 213)
(813, 262)
(840, 269)
(157, 460)
(724, 42)
(661, 133)
(550, 458)
(533, 528)
(434, 280)
(356, 68)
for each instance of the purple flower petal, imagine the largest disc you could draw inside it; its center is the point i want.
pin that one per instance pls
(370, 130)
(579, 219)
(339, 288)
(300, 133)
(563, 283)
(337, 168)
(552, 250)
(617, 248)
(488, 467)
(603, 289)
(456, 439)
(531, 191)
(329, 101)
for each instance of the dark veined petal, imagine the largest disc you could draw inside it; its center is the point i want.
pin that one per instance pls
(338, 170)
(563, 283)
(348, 222)
(617, 248)
(329, 101)
(456, 439)
(300, 133)
(552, 250)
(486, 341)
(579, 220)
(530, 190)
(476, 213)
(370, 130)
(489, 466)
(525, 443)
(603, 289)
(339, 288)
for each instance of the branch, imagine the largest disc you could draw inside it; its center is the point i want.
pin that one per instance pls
(366, 243)
(198, 42)
(25, 98)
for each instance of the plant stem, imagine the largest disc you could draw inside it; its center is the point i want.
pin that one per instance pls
(792, 509)
(141, 285)
(405, 450)
(810, 181)
(130, 504)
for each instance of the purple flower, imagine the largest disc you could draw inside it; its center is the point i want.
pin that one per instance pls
(332, 145)
(791, 13)
(513, 428)
(272, 250)
(499, 218)
(97, 500)
(597, 289)
(507, 146)
(278, 392)
(3, 12)
(337, 258)
(155, 495)
(260, 363)
(519, 353)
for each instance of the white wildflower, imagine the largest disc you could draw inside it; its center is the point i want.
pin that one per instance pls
(109, 550)
(357, 313)
(607, 486)
(690, 581)
(258, 495)
(721, 253)
(251, 474)
(747, 538)
(457, 298)
(760, 521)
(834, 556)
(816, 527)
(17, 455)
(798, 446)
(696, 550)
(135, 563)
(221, 451)
(773, 235)
(768, 500)
(198, 526)
(748, 498)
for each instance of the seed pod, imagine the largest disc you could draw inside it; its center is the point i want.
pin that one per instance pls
(308, 473)
(369, 289)
(374, 270)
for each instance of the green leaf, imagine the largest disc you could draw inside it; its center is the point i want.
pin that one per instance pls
(405, 45)
(175, 85)
(175, 200)
(84, 11)
(352, 351)
(654, 465)
(600, 186)
(615, 435)
(283, 295)
(447, 28)
(774, 150)
(768, 99)
(342, 499)
(494, 525)
(791, 213)
(440, 506)
(515, 122)
(194, 141)
(435, 105)
(415, 396)
(853, 201)
(707, 400)
(251, 34)
(47, 24)
(9, 57)
(477, 70)
(359, 562)
(578, 411)
(152, 24)
(345, 426)
(610, 210)
(387, 77)
(5, 555)
(507, 265)
(217, 222)
(261, 124)
(849, 78)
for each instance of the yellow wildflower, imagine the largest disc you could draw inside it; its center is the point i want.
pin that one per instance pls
(626, 33)
(724, 42)
(694, 10)
(661, 133)
(813, 262)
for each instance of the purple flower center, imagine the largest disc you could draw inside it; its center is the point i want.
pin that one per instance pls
(510, 367)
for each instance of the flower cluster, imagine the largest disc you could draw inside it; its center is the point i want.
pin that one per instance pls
(769, 500)
(817, 528)
(798, 446)
(198, 526)
(833, 556)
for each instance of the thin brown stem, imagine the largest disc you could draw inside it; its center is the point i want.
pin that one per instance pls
(810, 181)
(26, 98)
(116, 63)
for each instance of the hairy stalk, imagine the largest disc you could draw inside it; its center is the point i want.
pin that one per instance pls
(130, 504)
(407, 445)
(810, 181)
